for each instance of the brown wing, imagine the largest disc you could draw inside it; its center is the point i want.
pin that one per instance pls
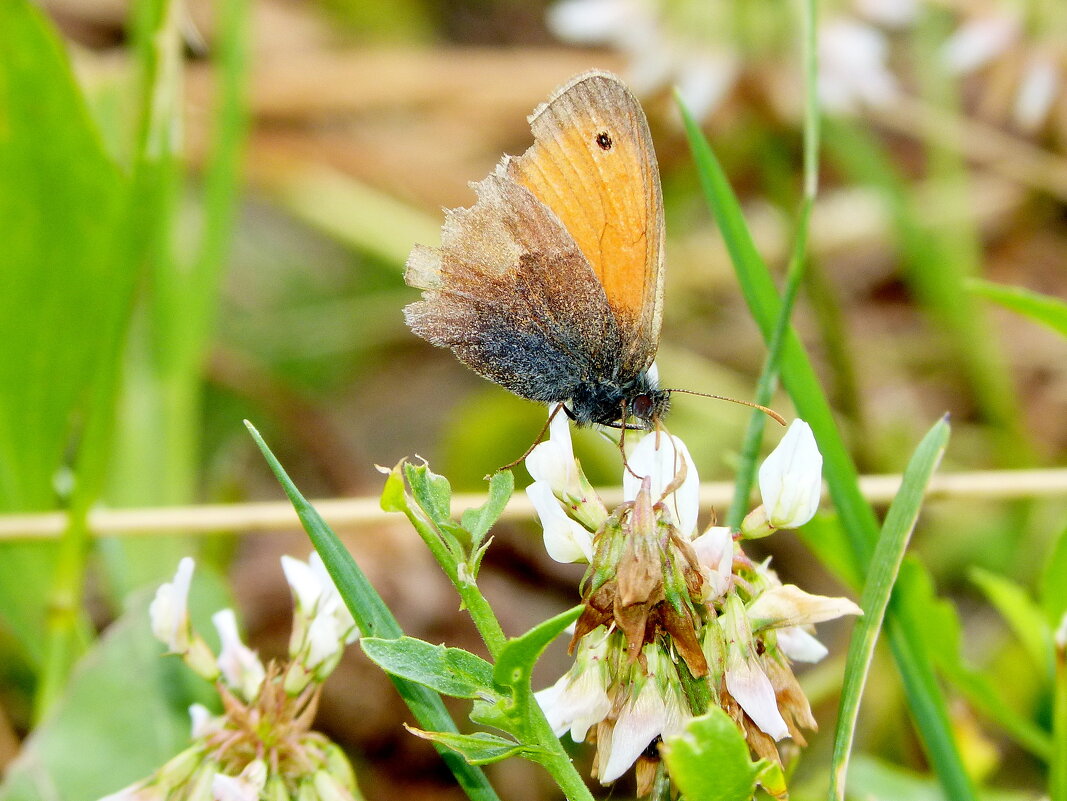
(592, 163)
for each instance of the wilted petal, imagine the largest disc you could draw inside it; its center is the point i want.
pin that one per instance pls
(169, 610)
(662, 464)
(239, 664)
(751, 688)
(799, 645)
(639, 722)
(565, 539)
(789, 605)
(790, 479)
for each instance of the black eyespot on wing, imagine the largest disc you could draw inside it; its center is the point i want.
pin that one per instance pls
(604, 141)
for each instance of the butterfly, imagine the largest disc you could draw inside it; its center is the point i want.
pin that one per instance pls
(551, 284)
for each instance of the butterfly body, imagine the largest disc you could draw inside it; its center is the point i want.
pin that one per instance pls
(551, 283)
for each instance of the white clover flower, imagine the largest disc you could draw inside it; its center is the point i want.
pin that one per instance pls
(245, 787)
(656, 710)
(239, 664)
(790, 479)
(203, 722)
(660, 457)
(745, 678)
(169, 610)
(978, 41)
(566, 540)
(661, 47)
(315, 595)
(579, 699)
(853, 67)
(788, 605)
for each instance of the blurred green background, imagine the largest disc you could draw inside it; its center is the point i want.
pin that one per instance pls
(204, 212)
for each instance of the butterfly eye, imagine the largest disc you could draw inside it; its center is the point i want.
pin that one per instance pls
(642, 407)
(603, 140)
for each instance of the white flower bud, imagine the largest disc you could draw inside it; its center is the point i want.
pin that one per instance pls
(790, 479)
(239, 664)
(169, 610)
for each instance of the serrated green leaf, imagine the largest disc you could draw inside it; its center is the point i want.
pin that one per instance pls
(449, 671)
(431, 491)
(1039, 308)
(480, 748)
(478, 521)
(1020, 612)
(711, 740)
(1053, 585)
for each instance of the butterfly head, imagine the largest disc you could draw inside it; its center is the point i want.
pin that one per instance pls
(610, 403)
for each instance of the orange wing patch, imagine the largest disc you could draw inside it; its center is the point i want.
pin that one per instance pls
(592, 163)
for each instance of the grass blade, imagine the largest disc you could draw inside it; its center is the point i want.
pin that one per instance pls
(1039, 308)
(925, 699)
(888, 555)
(375, 620)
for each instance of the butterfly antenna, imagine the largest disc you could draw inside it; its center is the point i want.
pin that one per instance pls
(769, 412)
(534, 444)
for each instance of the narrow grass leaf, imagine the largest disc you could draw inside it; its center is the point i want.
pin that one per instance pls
(888, 554)
(1040, 308)
(374, 619)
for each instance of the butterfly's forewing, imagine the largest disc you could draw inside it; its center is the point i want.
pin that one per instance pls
(592, 163)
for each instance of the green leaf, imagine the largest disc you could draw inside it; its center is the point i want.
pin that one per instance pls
(1025, 617)
(925, 699)
(478, 521)
(449, 671)
(480, 748)
(65, 291)
(394, 492)
(515, 664)
(431, 491)
(940, 625)
(374, 619)
(888, 554)
(1053, 587)
(1040, 308)
(712, 739)
(124, 712)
